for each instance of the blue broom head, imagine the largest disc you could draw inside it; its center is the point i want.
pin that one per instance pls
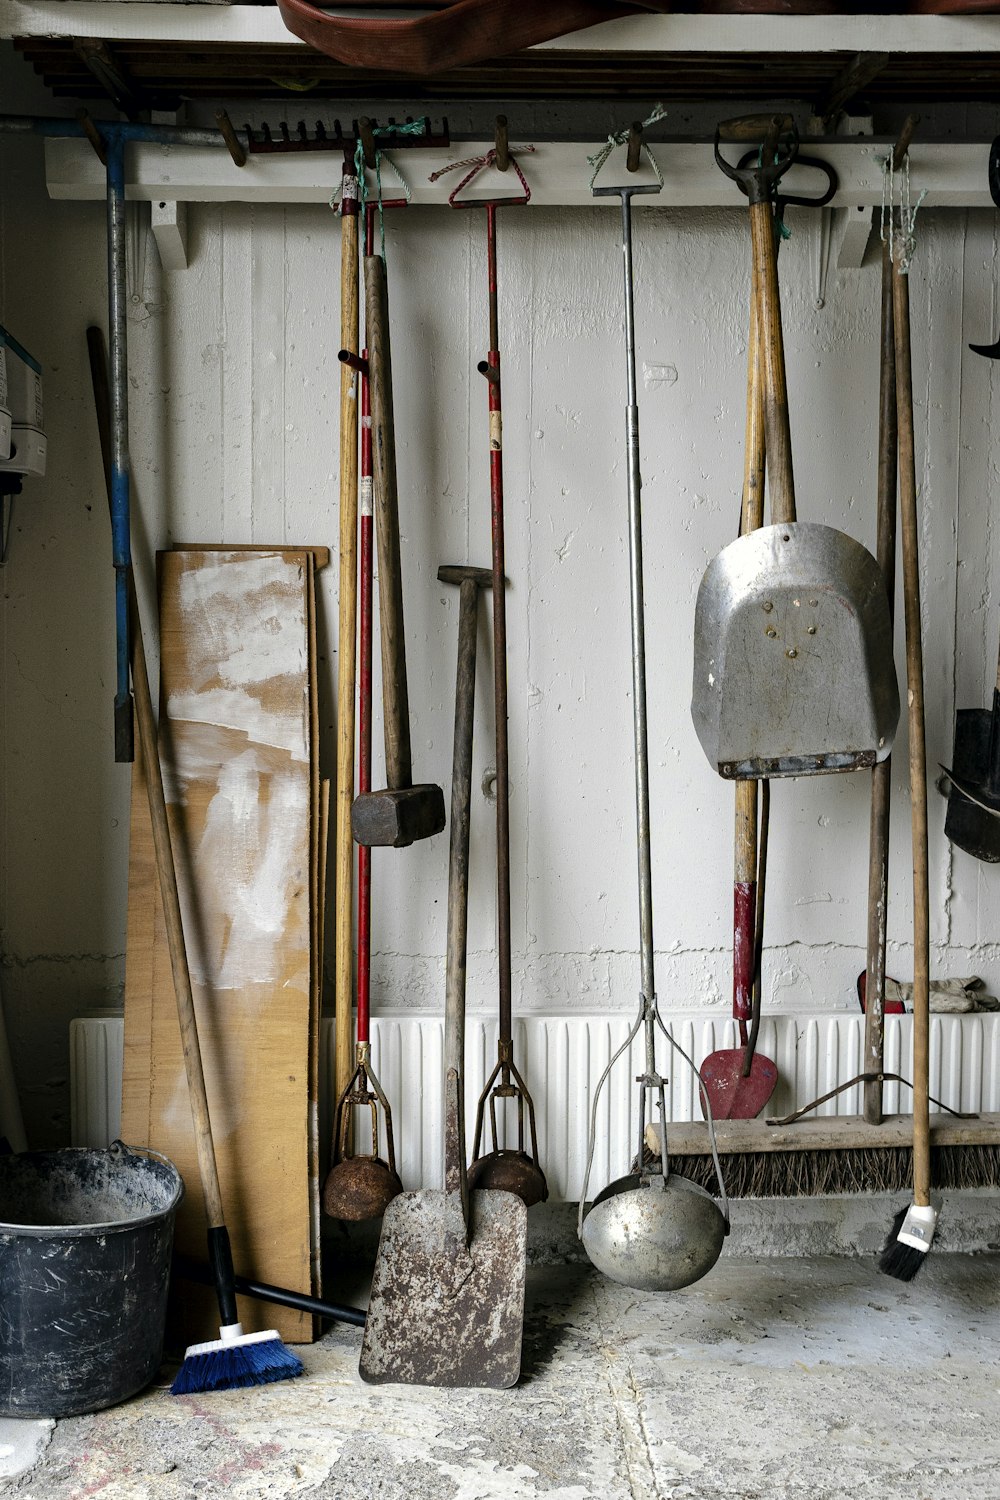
(235, 1362)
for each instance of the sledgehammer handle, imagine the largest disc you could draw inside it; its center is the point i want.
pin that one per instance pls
(395, 702)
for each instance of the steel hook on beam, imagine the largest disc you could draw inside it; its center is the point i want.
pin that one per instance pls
(500, 144)
(233, 143)
(367, 137)
(93, 135)
(634, 146)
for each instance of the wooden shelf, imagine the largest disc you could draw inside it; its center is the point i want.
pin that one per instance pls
(175, 52)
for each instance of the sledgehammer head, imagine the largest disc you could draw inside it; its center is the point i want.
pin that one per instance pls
(397, 816)
(462, 573)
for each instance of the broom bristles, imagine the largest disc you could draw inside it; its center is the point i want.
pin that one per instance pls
(909, 1241)
(868, 1169)
(236, 1363)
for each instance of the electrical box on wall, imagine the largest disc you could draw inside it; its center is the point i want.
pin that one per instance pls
(21, 404)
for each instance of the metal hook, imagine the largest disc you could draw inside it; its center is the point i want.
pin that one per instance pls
(500, 145)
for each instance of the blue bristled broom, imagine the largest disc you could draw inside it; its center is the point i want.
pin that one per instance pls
(236, 1358)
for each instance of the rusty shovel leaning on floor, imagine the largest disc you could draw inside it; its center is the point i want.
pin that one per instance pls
(447, 1299)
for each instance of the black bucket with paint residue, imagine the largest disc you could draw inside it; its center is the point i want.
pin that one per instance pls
(85, 1244)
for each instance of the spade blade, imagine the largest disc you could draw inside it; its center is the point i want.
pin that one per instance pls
(732, 1096)
(973, 818)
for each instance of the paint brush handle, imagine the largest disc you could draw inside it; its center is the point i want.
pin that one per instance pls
(918, 762)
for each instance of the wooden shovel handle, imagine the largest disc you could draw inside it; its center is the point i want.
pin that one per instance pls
(745, 852)
(396, 710)
(918, 762)
(768, 300)
(162, 845)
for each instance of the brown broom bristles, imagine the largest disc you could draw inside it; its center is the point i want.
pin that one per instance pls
(805, 1174)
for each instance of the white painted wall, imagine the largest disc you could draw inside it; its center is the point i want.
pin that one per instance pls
(233, 395)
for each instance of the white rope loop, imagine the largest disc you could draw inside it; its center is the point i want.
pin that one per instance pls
(619, 138)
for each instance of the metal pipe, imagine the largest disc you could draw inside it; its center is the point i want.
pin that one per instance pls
(122, 130)
(638, 627)
(121, 551)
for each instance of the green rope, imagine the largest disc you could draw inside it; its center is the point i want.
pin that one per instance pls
(619, 138)
(412, 127)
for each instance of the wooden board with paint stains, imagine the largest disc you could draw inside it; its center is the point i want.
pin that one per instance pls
(238, 745)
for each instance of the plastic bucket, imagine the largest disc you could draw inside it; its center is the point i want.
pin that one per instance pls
(85, 1244)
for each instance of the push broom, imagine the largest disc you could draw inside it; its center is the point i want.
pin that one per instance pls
(235, 1359)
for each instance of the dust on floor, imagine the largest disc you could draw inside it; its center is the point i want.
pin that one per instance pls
(770, 1380)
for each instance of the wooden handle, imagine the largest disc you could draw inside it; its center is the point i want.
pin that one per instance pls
(162, 846)
(745, 852)
(918, 764)
(878, 834)
(347, 631)
(768, 300)
(395, 703)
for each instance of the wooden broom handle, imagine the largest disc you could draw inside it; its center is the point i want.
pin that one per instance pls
(347, 628)
(395, 700)
(918, 762)
(768, 300)
(163, 848)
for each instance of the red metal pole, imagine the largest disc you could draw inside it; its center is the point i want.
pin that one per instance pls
(499, 645)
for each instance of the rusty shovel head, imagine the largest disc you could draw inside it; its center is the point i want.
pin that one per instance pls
(972, 821)
(445, 1310)
(793, 663)
(732, 1096)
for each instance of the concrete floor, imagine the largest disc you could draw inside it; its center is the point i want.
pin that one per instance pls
(769, 1380)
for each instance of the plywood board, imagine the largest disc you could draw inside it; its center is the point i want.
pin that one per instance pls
(238, 744)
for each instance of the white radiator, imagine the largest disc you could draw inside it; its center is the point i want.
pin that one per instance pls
(561, 1059)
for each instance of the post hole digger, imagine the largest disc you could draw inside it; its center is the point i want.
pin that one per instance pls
(359, 1185)
(793, 666)
(516, 1169)
(447, 1298)
(651, 1229)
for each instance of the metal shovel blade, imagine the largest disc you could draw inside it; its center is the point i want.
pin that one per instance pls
(793, 662)
(442, 1312)
(654, 1234)
(972, 821)
(732, 1096)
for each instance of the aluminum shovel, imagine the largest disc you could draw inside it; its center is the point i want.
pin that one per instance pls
(793, 663)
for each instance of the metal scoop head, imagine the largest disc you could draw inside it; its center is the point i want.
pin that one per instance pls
(360, 1187)
(510, 1172)
(654, 1233)
(793, 663)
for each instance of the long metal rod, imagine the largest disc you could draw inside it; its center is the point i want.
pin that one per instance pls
(639, 729)
(499, 648)
(117, 130)
(120, 505)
